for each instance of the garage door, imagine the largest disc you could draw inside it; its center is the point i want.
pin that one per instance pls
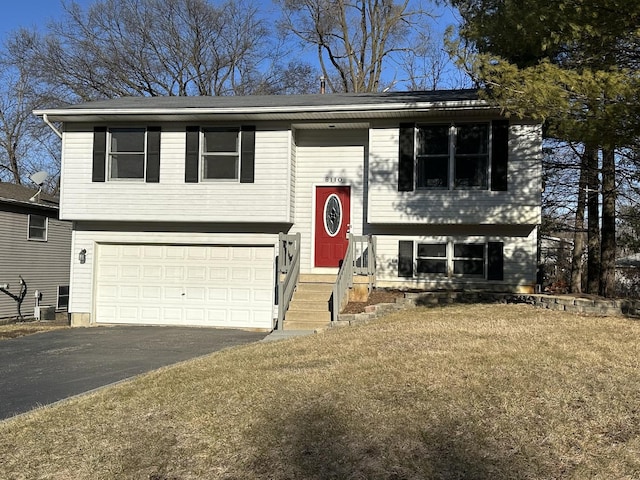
(223, 286)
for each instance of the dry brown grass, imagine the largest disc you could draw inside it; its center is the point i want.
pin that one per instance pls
(460, 392)
(14, 330)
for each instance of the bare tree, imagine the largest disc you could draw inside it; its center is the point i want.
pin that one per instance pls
(355, 40)
(23, 143)
(119, 48)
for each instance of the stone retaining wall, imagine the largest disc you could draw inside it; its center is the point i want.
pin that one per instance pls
(589, 306)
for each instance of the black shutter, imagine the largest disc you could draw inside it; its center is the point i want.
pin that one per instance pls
(153, 154)
(99, 154)
(405, 258)
(495, 257)
(247, 154)
(499, 154)
(406, 149)
(192, 155)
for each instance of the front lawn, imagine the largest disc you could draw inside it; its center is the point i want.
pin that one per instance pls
(457, 392)
(20, 329)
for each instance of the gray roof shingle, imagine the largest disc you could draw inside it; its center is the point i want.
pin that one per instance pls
(275, 101)
(12, 193)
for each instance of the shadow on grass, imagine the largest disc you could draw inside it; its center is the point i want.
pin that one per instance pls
(322, 442)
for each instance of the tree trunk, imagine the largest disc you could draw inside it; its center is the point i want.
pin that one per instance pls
(608, 246)
(14, 166)
(593, 222)
(578, 235)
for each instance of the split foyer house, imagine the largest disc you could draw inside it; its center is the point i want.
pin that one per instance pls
(35, 246)
(214, 210)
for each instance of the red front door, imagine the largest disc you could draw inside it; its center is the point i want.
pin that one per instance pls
(333, 216)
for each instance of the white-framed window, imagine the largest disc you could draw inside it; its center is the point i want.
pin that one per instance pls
(220, 154)
(453, 156)
(63, 297)
(451, 259)
(431, 258)
(37, 228)
(469, 259)
(126, 153)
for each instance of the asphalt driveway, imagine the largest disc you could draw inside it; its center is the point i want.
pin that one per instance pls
(46, 367)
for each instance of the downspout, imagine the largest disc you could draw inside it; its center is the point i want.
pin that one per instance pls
(51, 125)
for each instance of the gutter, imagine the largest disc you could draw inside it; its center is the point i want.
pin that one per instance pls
(365, 111)
(51, 125)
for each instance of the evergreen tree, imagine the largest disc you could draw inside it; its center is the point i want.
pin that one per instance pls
(574, 66)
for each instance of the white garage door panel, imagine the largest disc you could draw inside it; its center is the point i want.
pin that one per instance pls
(185, 285)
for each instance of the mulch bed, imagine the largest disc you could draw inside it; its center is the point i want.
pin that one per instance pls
(376, 297)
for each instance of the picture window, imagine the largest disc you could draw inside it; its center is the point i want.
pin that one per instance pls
(451, 259)
(452, 157)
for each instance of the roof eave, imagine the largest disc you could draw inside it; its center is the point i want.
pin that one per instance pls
(34, 205)
(270, 113)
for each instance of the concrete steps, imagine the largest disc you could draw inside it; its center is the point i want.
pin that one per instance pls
(309, 307)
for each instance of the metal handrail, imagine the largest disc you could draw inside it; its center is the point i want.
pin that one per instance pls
(288, 272)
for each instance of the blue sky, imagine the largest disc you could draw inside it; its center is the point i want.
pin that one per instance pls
(36, 13)
(30, 13)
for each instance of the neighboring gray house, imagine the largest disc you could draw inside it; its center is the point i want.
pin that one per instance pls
(628, 276)
(179, 202)
(36, 245)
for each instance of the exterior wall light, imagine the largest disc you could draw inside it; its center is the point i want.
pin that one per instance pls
(82, 256)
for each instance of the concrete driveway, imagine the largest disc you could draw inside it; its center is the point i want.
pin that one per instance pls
(46, 367)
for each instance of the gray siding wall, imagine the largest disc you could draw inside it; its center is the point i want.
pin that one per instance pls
(43, 265)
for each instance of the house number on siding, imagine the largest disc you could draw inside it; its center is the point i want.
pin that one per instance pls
(334, 179)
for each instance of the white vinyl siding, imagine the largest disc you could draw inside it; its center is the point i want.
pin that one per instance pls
(82, 275)
(519, 205)
(43, 265)
(520, 260)
(265, 200)
(293, 176)
(327, 158)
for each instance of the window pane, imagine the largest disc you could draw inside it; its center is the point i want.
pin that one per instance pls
(37, 227)
(37, 221)
(433, 172)
(127, 140)
(433, 140)
(220, 167)
(127, 166)
(220, 141)
(63, 296)
(432, 249)
(468, 267)
(468, 250)
(432, 266)
(472, 139)
(471, 171)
